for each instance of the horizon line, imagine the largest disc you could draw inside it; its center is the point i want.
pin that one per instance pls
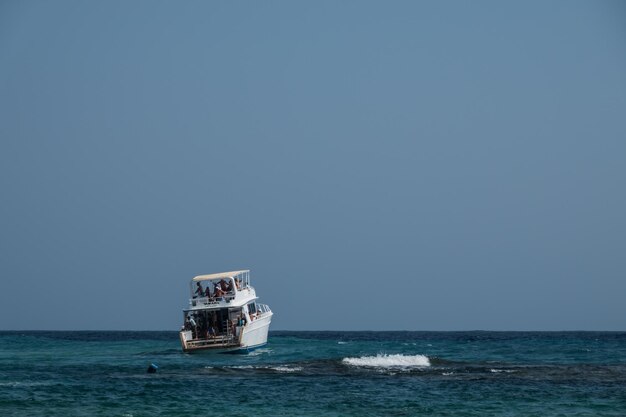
(332, 331)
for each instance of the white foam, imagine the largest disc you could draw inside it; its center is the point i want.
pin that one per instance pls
(278, 368)
(389, 361)
(286, 368)
(257, 352)
(497, 371)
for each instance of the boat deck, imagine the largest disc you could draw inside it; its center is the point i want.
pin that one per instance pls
(217, 342)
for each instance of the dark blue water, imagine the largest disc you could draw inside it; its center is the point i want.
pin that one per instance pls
(316, 374)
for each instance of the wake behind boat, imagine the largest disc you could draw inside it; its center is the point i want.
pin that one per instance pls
(223, 314)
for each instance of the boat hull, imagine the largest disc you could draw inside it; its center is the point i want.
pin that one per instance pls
(255, 333)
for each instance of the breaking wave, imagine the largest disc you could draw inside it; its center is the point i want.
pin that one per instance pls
(389, 361)
(277, 368)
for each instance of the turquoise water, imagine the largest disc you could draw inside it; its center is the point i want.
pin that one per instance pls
(316, 374)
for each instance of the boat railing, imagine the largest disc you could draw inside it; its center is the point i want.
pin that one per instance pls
(228, 297)
(208, 301)
(262, 309)
(217, 341)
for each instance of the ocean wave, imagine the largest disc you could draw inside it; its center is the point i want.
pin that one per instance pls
(286, 368)
(262, 351)
(275, 368)
(389, 361)
(497, 371)
(14, 384)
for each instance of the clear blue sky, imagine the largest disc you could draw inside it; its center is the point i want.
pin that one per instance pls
(377, 165)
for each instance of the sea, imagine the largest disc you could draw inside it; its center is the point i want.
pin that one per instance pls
(98, 373)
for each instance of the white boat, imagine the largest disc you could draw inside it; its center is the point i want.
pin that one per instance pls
(223, 314)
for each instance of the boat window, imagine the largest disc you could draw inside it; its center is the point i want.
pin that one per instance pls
(251, 308)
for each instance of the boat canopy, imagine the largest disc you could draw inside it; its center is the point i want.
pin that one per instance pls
(219, 275)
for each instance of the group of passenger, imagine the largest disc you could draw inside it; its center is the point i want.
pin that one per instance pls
(209, 325)
(203, 325)
(221, 288)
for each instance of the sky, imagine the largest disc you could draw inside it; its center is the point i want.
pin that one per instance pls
(376, 165)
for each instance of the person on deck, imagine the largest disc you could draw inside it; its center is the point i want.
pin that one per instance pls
(210, 332)
(199, 291)
(217, 291)
(193, 327)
